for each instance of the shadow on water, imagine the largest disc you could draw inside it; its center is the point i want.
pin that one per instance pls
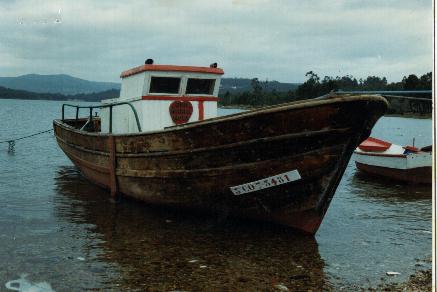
(166, 250)
(378, 188)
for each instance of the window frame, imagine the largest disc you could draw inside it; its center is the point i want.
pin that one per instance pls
(199, 94)
(181, 84)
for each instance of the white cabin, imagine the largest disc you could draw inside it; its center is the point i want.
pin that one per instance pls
(163, 96)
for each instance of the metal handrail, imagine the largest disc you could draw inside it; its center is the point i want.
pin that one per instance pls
(383, 92)
(388, 93)
(103, 106)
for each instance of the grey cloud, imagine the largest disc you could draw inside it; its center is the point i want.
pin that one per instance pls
(267, 39)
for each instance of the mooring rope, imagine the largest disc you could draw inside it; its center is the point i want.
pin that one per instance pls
(11, 142)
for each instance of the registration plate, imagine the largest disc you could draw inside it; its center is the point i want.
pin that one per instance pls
(267, 182)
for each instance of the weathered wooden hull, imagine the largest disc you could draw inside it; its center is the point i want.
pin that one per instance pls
(194, 165)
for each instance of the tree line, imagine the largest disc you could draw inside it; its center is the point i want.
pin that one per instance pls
(261, 93)
(314, 86)
(8, 93)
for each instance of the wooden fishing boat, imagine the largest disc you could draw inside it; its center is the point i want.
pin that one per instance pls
(403, 163)
(280, 163)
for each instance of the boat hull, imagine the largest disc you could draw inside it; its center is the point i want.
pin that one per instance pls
(195, 166)
(418, 175)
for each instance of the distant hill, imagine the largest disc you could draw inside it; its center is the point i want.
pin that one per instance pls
(68, 85)
(8, 93)
(61, 83)
(236, 85)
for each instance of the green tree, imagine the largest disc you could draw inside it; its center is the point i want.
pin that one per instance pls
(256, 86)
(227, 98)
(310, 88)
(426, 81)
(374, 83)
(411, 82)
(347, 82)
(329, 84)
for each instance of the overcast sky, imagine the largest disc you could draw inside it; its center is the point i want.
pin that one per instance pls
(275, 40)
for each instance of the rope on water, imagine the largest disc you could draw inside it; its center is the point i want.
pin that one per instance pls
(11, 142)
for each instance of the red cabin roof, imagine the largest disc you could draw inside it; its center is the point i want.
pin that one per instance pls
(374, 145)
(171, 68)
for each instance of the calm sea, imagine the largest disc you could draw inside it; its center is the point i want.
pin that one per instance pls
(59, 232)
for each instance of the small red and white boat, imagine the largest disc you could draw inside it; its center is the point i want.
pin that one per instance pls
(405, 163)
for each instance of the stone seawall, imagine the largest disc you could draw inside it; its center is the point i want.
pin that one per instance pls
(400, 105)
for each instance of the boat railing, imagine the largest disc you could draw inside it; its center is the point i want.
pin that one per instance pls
(401, 94)
(110, 106)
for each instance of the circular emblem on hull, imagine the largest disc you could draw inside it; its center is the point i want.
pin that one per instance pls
(180, 111)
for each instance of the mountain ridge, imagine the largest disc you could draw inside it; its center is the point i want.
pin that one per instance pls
(7, 93)
(69, 85)
(56, 83)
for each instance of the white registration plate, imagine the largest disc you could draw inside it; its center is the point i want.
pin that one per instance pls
(267, 182)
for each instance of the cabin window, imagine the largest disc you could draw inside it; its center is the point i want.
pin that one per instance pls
(164, 85)
(200, 86)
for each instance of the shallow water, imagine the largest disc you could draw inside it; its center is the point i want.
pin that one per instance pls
(64, 232)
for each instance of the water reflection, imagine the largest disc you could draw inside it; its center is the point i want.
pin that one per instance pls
(374, 226)
(385, 189)
(168, 250)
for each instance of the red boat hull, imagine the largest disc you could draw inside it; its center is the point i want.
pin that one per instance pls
(421, 175)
